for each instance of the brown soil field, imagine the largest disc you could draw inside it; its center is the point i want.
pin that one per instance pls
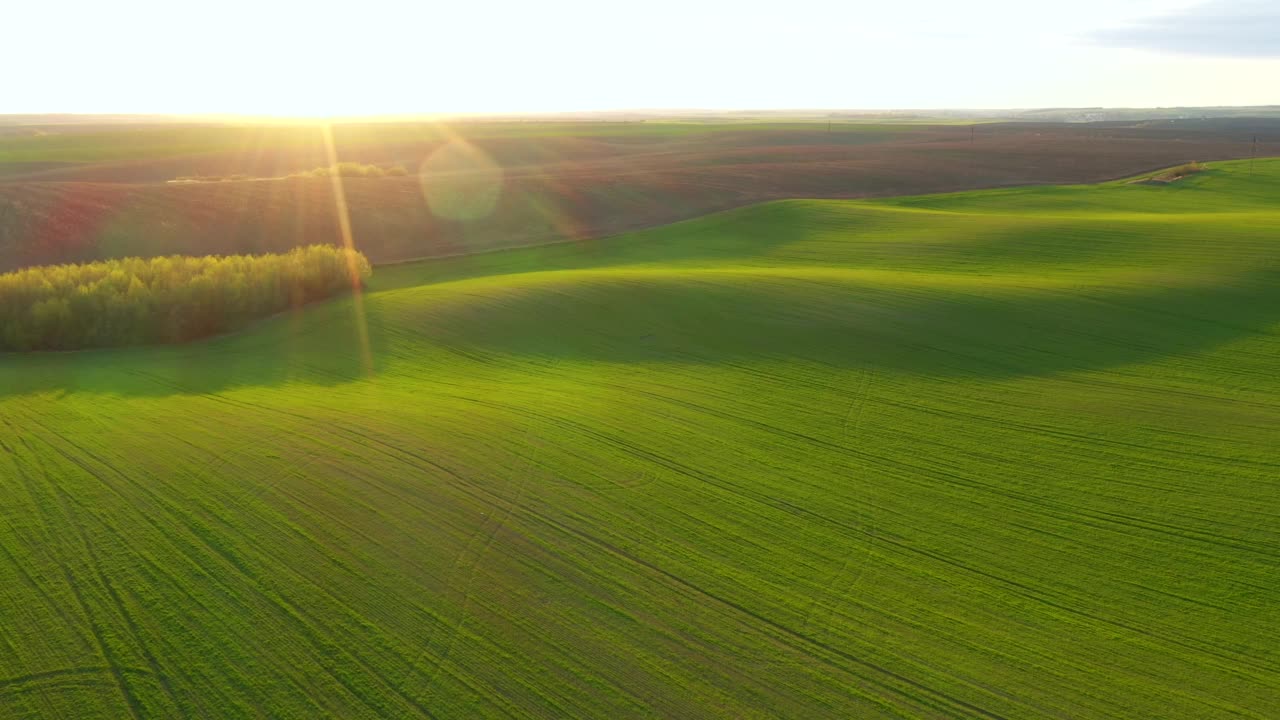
(539, 185)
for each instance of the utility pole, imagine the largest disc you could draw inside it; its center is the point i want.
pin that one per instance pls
(1253, 155)
(973, 130)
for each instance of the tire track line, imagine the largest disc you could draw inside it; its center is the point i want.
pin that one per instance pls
(910, 473)
(479, 493)
(290, 610)
(104, 649)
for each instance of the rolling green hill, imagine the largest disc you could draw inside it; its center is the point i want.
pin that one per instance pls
(1002, 454)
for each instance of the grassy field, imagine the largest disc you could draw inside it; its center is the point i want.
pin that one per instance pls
(107, 143)
(1002, 454)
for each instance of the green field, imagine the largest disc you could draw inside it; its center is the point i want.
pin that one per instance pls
(148, 142)
(1001, 454)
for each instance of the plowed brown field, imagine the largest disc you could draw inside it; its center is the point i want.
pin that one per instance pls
(105, 192)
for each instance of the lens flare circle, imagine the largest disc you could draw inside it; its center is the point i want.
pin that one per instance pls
(461, 182)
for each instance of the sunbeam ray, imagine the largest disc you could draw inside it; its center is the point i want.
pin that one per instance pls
(344, 228)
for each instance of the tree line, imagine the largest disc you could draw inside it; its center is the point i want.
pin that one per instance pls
(342, 169)
(136, 301)
(354, 169)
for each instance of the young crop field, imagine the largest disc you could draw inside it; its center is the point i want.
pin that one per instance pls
(995, 454)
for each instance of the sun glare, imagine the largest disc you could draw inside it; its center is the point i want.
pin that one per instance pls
(343, 213)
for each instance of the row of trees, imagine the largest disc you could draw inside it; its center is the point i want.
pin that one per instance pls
(1181, 171)
(165, 299)
(354, 169)
(342, 169)
(210, 178)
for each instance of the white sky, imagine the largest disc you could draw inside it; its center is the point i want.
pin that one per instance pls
(389, 56)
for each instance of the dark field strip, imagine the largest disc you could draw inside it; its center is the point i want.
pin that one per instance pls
(991, 455)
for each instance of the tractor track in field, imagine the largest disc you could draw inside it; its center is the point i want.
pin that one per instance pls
(857, 408)
(801, 640)
(482, 492)
(66, 501)
(44, 595)
(912, 474)
(368, 439)
(473, 565)
(115, 665)
(1123, 519)
(485, 496)
(288, 609)
(17, 683)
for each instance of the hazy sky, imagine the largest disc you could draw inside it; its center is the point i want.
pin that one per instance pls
(387, 56)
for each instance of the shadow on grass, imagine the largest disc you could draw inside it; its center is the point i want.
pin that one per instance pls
(690, 319)
(930, 329)
(924, 331)
(319, 345)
